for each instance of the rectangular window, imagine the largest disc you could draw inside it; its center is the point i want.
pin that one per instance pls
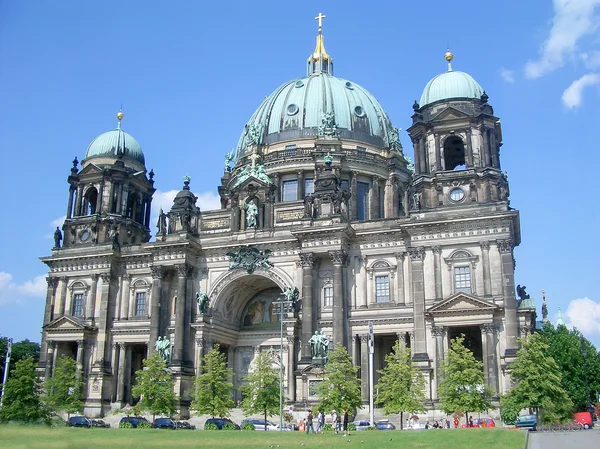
(290, 147)
(290, 190)
(140, 304)
(361, 149)
(362, 200)
(382, 289)
(328, 297)
(78, 304)
(462, 279)
(309, 186)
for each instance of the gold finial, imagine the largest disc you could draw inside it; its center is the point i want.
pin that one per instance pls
(449, 57)
(320, 18)
(120, 115)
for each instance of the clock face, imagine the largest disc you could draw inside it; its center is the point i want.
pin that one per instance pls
(457, 194)
(85, 235)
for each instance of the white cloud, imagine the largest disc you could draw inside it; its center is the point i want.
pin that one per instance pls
(591, 60)
(573, 19)
(571, 97)
(58, 222)
(584, 314)
(507, 75)
(12, 292)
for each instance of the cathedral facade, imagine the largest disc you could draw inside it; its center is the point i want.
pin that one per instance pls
(318, 196)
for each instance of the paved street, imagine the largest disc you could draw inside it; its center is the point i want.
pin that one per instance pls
(564, 440)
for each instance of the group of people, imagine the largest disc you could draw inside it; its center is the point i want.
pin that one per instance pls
(339, 422)
(441, 424)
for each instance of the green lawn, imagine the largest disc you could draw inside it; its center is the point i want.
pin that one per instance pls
(32, 437)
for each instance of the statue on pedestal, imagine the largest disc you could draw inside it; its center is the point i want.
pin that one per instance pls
(319, 345)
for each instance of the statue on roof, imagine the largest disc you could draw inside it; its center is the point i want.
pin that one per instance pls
(254, 133)
(328, 127)
(57, 237)
(522, 293)
(228, 159)
(203, 301)
(251, 214)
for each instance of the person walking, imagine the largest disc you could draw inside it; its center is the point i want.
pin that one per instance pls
(309, 423)
(346, 431)
(334, 421)
(320, 421)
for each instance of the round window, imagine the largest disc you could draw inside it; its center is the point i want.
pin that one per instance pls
(85, 235)
(457, 194)
(349, 85)
(292, 109)
(299, 83)
(359, 111)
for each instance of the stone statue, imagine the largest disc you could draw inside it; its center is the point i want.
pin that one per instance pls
(328, 127)
(251, 214)
(409, 164)
(254, 133)
(416, 201)
(57, 237)
(319, 345)
(522, 293)
(291, 294)
(162, 223)
(163, 347)
(203, 302)
(261, 174)
(308, 206)
(544, 311)
(228, 159)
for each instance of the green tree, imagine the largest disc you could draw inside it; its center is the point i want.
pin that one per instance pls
(19, 351)
(261, 387)
(340, 388)
(463, 387)
(213, 388)
(401, 385)
(21, 399)
(154, 385)
(538, 382)
(64, 390)
(580, 374)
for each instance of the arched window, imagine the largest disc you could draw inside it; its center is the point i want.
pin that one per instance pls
(461, 265)
(79, 292)
(132, 205)
(454, 153)
(90, 200)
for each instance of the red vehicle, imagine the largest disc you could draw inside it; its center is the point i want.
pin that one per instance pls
(481, 422)
(584, 418)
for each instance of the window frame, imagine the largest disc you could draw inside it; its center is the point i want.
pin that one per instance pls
(366, 200)
(78, 287)
(377, 288)
(285, 182)
(76, 305)
(458, 259)
(139, 286)
(326, 288)
(382, 268)
(136, 300)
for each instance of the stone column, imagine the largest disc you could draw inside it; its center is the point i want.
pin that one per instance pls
(353, 198)
(148, 211)
(505, 247)
(50, 298)
(485, 257)
(439, 334)
(90, 302)
(158, 274)
(417, 255)
(417, 160)
(438, 153)
(362, 297)
(63, 295)
(401, 336)
(101, 359)
(200, 343)
(494, 149)
(49, 359)
(289, 353)
(486, 147)
(183, 271)
(488, 331)
(338, 258)
(79, 200)
(300, 190)
(71, 198)
(125, 297)
(307, 261)
(277, 184)
(423, 155)
(400, 299)
(374, 199)
(469, 150)
(437, 271)
(79, 358)
(364, 366)
(121, 372)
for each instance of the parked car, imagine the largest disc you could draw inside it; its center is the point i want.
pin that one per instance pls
(526, 422)
(79, 421)
(220, 423)
(133, 420)
(585, 419)
(362, 425)
(384, 424)
(184, 425)
(99, 423)
(164, 423)
(260, 424)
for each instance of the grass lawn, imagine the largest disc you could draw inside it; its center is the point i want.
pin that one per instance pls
(33, 437)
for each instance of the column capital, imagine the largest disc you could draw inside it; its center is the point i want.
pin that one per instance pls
(338, 257)
(80, 343)
(121, 345)
(400, 256)
(364, 338)
(307, 260)
(94, 277)
(106, 277)
(438, 331)
(416, 253)
(183, 270)
(158, 272)
(52, 282)
(484, 244)
(437, 249)
(488, 328)
(505, 246)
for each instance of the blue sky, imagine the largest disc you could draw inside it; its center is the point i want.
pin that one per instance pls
(190, 74)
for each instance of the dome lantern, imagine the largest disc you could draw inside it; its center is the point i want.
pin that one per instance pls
(319, 61)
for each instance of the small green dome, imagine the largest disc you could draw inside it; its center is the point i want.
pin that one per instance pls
(528, 303)
(450, 85)
(113, 143)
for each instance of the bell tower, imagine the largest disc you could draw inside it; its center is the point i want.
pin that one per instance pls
(456, 140)
(111, 195)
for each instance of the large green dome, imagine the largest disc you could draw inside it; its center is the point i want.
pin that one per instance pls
(113, 143)
(295, 110)
(450, 85)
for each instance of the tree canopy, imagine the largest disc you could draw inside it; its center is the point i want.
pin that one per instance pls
(463, 387)
(213, 388)
(340, 387)
(21, 399)
(64, 390)
(538, 382)
(19, 351)
(401, 385)
(154, 387)
(261, 387)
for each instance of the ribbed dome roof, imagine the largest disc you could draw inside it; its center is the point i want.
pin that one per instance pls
(295, 110)
(450, 85)
(113, 143)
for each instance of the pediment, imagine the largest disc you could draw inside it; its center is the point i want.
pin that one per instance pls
(66, 323)
(463, 303)
(257, 183)
(449, 114)
(90, 168)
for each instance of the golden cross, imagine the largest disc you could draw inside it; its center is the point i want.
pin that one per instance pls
(254, 157)
(320, 18)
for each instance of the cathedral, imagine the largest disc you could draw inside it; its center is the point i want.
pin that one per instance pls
(326, 228)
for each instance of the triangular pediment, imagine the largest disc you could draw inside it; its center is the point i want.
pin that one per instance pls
(250, 180)
(449, 114)
(463, 303)
(66, 323)
(90, 168)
